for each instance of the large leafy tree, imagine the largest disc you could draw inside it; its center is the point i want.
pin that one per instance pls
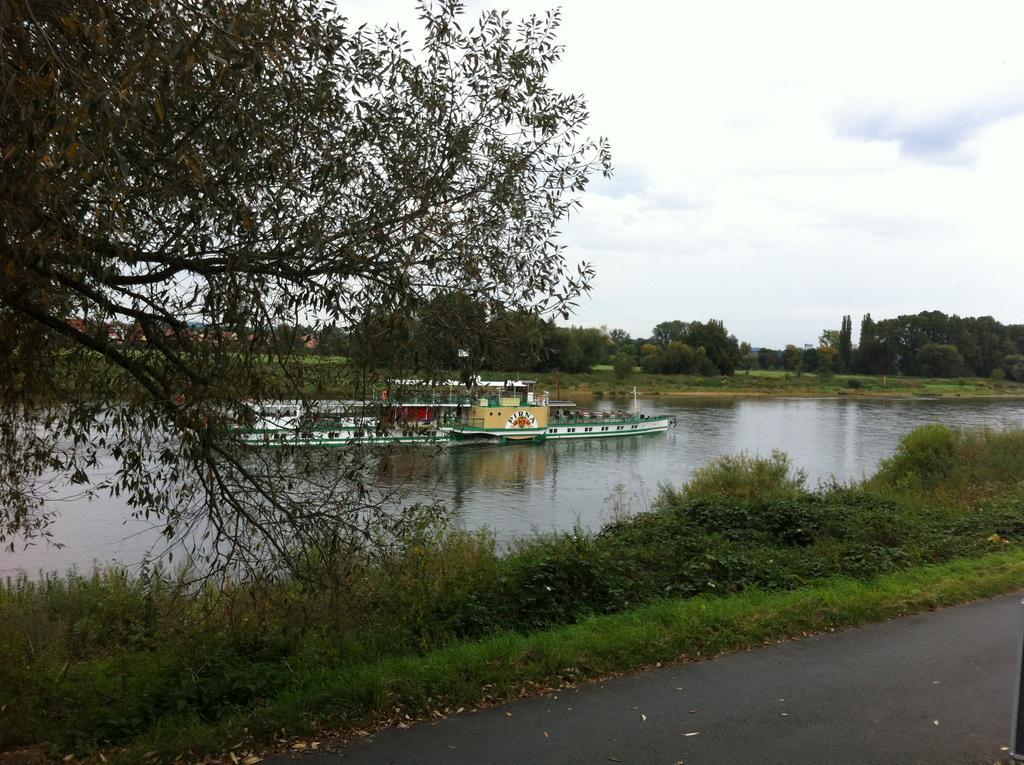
(182, 178)
(667, 331)
(938, 360)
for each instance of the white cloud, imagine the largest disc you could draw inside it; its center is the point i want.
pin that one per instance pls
(782, 164)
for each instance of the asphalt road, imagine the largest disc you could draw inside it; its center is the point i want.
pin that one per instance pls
(931, 688)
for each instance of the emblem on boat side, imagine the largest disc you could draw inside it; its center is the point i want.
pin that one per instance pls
(522, 419)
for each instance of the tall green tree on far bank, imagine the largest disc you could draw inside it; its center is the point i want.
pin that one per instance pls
(1013, 367)
(572, 349)
(198, 174)
(792, 358)
(940, 360)
(892, 345)
(709, 341)
(826, 362)
(710, 338)
(829, 338)
(845, 346)
(667, 331)
(866, 357)
(623, 365)
(768, 358)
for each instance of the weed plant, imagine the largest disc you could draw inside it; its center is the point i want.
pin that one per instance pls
(100, 660)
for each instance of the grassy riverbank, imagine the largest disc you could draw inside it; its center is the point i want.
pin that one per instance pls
(602, 381)
(330, 377)
(743, 554)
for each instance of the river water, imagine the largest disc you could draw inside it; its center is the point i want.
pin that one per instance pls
(519, 489)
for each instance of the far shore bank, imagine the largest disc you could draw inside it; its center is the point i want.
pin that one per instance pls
(795, 394)
(601, 382)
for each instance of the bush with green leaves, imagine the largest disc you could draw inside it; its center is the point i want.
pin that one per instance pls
(742, 475)
(958, 465)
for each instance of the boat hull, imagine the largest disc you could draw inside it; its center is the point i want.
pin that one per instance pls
(290, 438)
(560, 431)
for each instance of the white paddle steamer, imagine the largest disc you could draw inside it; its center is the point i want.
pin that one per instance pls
(411, 412)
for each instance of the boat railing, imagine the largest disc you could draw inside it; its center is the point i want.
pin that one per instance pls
(497, 402)
(603, 417)
(438, 400)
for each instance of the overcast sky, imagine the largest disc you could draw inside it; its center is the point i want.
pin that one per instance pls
(778, 165)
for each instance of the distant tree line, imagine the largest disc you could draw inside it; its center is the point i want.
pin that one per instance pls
(928, 344)
(478, 338)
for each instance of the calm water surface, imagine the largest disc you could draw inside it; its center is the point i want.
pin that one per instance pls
(518, 489)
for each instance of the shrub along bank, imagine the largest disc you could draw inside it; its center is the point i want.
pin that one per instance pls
(111, 661)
